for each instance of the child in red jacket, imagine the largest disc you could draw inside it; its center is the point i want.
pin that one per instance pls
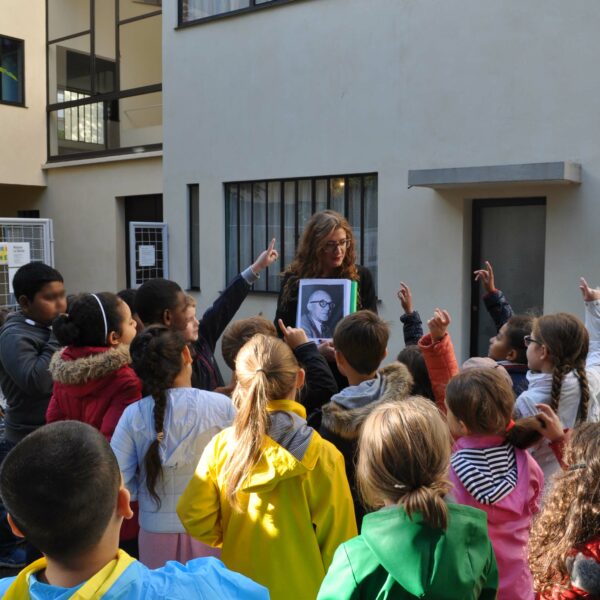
(93, 379)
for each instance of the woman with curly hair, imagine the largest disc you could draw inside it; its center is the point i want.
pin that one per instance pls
(326, 250)
(564, 547)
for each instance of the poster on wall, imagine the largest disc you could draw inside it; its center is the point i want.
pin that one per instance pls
(19, 254)
(4, 254)
(147, 256)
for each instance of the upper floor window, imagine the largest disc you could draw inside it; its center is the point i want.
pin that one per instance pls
(12, 84)
(104, 77)
(191, 11)
(257, 211)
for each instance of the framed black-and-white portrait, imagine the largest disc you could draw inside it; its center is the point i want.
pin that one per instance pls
(322, 303)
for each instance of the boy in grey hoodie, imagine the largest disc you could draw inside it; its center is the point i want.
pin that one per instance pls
(26, 347)
(360, 342)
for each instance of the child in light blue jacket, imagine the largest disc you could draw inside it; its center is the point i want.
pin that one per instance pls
(62, 488)
(158, 442)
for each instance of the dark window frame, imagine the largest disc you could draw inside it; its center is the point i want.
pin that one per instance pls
(360, 250)
(21, 73)
(95, 97)
(477, 260)
(181, 24)
(194, 235)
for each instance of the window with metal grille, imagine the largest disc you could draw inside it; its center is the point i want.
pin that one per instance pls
(34, 239)
(149, 252)
(257, 211)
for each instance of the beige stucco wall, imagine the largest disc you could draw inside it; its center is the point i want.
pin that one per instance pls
(85, 203)
(22, 129)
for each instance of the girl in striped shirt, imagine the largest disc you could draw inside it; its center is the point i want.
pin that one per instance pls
(491, 471)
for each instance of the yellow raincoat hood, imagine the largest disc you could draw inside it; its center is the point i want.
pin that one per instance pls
(294, 512)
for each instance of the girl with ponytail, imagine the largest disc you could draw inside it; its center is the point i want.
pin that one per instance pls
(159, 440)
(491, 470)
(415, 544)
(269, 490)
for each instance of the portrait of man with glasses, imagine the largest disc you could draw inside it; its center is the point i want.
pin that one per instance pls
(322, 308)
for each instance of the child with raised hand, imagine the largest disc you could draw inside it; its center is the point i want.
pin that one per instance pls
(564, 548)
(360, 341)
(507, 346)
(439, 356)
(160, 439)
(93, 379)
(491, 471)
(269, 490)
(63, 491)
(416, 544)
(160, 301)
(563, 374)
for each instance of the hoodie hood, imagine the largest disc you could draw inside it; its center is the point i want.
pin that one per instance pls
(277, 463)
(345, 414)
(488, 474)
(423, 560)
(79, 366)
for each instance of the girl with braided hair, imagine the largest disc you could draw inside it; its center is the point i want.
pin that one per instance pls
(159, 440)
(564, 371)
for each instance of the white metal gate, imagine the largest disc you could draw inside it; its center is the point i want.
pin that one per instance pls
(148, 251)
(22, 241)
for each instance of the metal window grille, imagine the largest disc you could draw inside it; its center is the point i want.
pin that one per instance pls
(35, 232)
(148, 251)
(257, 211)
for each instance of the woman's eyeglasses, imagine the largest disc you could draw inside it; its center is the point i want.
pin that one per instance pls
(529, 340)
(323, 303)
(333, 246)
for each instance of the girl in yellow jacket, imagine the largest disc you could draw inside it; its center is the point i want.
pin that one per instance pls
(269, 490)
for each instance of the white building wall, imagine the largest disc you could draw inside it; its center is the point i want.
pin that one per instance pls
(345, 86)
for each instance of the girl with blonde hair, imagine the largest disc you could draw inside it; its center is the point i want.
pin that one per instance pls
(269, 490)
(416, 544)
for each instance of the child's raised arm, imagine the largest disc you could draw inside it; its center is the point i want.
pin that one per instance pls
(411, 320)
(439, 356)
(495, 301)
(591, 298)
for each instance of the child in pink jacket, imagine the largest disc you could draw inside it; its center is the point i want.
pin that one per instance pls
(489, 472)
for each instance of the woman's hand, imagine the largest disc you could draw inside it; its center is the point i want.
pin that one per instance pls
(405, 296)
(486, 276)
(265, 258)
(292, 336)
(438, 324)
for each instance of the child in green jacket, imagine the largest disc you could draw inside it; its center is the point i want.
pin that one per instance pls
(417, 545)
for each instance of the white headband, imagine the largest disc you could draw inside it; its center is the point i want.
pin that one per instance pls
(103, 316)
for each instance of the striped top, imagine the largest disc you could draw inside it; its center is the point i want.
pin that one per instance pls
(488, 474)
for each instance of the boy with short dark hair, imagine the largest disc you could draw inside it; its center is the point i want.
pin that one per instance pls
(26, 347)
(64, 492)
(360, 342)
